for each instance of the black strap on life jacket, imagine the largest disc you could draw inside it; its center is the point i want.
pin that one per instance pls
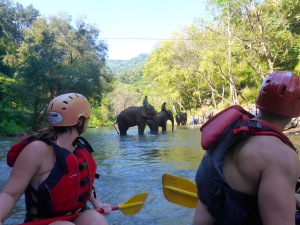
(82, 141)
(253, 127)
(60, 158)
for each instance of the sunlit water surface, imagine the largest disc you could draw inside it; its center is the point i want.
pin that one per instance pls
(134, 164)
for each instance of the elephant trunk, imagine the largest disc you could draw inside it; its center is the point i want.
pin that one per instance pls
(172, 120)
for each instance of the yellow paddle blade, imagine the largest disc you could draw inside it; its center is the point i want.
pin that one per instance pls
(134, 204)
(179, 191)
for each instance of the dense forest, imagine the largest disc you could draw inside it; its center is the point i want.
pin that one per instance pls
(212, 63)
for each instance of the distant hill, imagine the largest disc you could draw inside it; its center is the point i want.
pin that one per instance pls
(121, 66)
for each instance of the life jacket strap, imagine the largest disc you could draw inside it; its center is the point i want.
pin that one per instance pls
(84, 196)
(82, 166)
(254, 124)
(85, 181)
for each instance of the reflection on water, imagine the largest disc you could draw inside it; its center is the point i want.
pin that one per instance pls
(134, 164)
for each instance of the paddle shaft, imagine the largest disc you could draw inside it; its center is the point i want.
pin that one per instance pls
(187, 193)
(63, 218)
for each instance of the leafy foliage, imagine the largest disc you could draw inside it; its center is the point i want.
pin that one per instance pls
(49, 57)
(13, 19)
(223, 61)
(127, 89)
(209, 64)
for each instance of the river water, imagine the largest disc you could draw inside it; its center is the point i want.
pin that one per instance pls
(134, 164)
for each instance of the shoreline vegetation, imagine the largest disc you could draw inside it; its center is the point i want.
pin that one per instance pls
(292, 131)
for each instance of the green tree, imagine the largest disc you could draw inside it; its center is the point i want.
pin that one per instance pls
(122, 97)
(217, 60)
(49, 64)
(13, 19)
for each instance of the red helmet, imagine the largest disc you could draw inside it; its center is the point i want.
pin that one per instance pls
(280, 94)
(65, 110)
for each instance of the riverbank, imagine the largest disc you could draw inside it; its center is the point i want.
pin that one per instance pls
(15, 134)
(293, 131)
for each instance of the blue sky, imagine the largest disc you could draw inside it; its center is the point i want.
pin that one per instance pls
(127, 25)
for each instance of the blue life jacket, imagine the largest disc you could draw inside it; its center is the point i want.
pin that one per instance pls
(219, 134)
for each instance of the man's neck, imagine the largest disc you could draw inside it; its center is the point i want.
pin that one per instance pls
(279, 124)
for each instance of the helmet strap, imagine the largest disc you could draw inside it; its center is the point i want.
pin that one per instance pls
(61, 129)
(80, 125)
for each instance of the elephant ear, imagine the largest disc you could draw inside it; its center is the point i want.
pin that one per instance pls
(144, 112)
(148, 112)
(170, 113)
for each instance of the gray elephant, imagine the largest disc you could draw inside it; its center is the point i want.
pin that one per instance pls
(181, 118)
(207, 114)
(160, 120)
(135, 116)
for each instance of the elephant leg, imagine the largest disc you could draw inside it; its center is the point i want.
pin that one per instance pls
(141, 128)
(164, 127)
(122, 128)
(151, 125)
(123, 133)
(177, 120)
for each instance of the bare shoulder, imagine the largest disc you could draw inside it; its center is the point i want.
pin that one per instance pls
(279, 170)
(37, 147)
(35, 159)
(35, 153)
(271, 147)
(268, 151)
(258, 157)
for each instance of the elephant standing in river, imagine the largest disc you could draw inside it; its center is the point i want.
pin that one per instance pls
(181, 118)
(160, 120)
(207, 114)
(135, 116)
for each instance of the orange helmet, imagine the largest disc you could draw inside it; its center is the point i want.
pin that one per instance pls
(64, 110)
(280, 94)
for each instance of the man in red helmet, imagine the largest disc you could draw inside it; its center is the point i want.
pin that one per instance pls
(253, 180)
